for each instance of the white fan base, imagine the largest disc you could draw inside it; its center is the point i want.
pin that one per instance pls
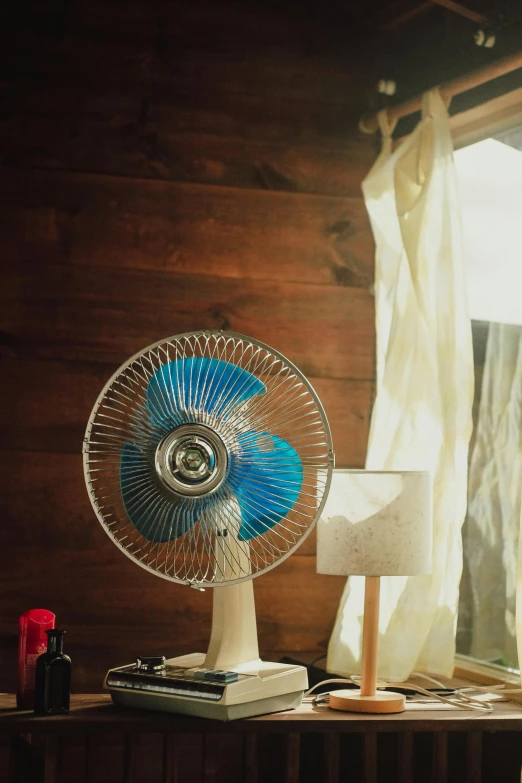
(273, 687)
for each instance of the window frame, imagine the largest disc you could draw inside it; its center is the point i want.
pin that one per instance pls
(488, 119)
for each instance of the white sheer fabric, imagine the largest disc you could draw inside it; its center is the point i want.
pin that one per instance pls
(495, 494)
(422, 414)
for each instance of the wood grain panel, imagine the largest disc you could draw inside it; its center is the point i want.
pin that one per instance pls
(369, 761)
(292, 748)
(147, 153)
(405, 757)
(46, 404)
(189, 113)
(331, 758)
(186, 229)
(171, 754)
(223, 60)
(140, 139)
(474, 757)
(105, 314)
(251, 758)
(130, 756)
(440, 757)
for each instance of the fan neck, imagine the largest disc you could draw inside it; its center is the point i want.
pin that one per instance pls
(233, 641)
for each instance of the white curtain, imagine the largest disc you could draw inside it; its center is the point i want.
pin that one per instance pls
(495, 493)
(422, 414)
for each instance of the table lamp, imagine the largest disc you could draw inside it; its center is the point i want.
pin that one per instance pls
(374, 524)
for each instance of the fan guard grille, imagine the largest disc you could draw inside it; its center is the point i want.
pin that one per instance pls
(207, 458)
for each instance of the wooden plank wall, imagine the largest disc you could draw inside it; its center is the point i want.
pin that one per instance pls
(167, 167)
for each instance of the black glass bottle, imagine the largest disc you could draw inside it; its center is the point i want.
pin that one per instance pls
(53, 677)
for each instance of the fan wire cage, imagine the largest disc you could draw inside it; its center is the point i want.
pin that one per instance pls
(208, 457)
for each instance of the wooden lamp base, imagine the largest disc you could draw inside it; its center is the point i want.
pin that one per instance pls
(373, 700)
(381, 702)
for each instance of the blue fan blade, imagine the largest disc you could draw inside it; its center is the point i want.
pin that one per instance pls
(175, 393)
(195, 384)
(267, 483)
(141, 497)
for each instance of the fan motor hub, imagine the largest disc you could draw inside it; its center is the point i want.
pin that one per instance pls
(192, 460)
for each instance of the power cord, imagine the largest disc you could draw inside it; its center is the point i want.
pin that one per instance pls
(462, 699)
(501, 689)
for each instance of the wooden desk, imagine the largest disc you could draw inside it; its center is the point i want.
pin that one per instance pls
(98, 741)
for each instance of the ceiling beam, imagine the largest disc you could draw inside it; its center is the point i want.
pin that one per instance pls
(461, 10)
(400, 13)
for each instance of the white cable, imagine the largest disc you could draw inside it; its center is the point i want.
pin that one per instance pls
(429, 678)
(326, 682)
(463, 701)
(501, 688)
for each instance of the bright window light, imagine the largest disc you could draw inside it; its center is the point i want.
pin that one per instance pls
(490, 182)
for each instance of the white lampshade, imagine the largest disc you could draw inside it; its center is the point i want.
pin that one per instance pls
(376, 524)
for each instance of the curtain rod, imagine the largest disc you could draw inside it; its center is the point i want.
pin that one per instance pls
(448, 90)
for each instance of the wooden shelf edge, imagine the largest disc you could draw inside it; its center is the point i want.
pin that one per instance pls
(96, 714)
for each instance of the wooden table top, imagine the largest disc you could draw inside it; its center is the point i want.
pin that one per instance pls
(96, 713)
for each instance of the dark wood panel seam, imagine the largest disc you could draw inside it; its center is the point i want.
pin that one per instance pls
(174, 87)
(187, 275)
(335, 145)
(177, 183)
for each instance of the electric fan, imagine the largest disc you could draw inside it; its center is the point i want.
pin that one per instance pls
(208, 458)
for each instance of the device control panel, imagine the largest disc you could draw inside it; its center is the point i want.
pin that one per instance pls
(153, 675)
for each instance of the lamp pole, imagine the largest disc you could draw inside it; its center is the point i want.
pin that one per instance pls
(370, 639)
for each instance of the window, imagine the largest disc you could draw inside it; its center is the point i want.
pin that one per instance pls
(490, 180)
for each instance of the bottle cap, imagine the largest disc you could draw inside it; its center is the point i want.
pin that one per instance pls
(40, 616)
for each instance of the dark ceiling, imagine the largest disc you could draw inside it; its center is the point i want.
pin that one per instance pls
(392, 15)
(419, 44)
